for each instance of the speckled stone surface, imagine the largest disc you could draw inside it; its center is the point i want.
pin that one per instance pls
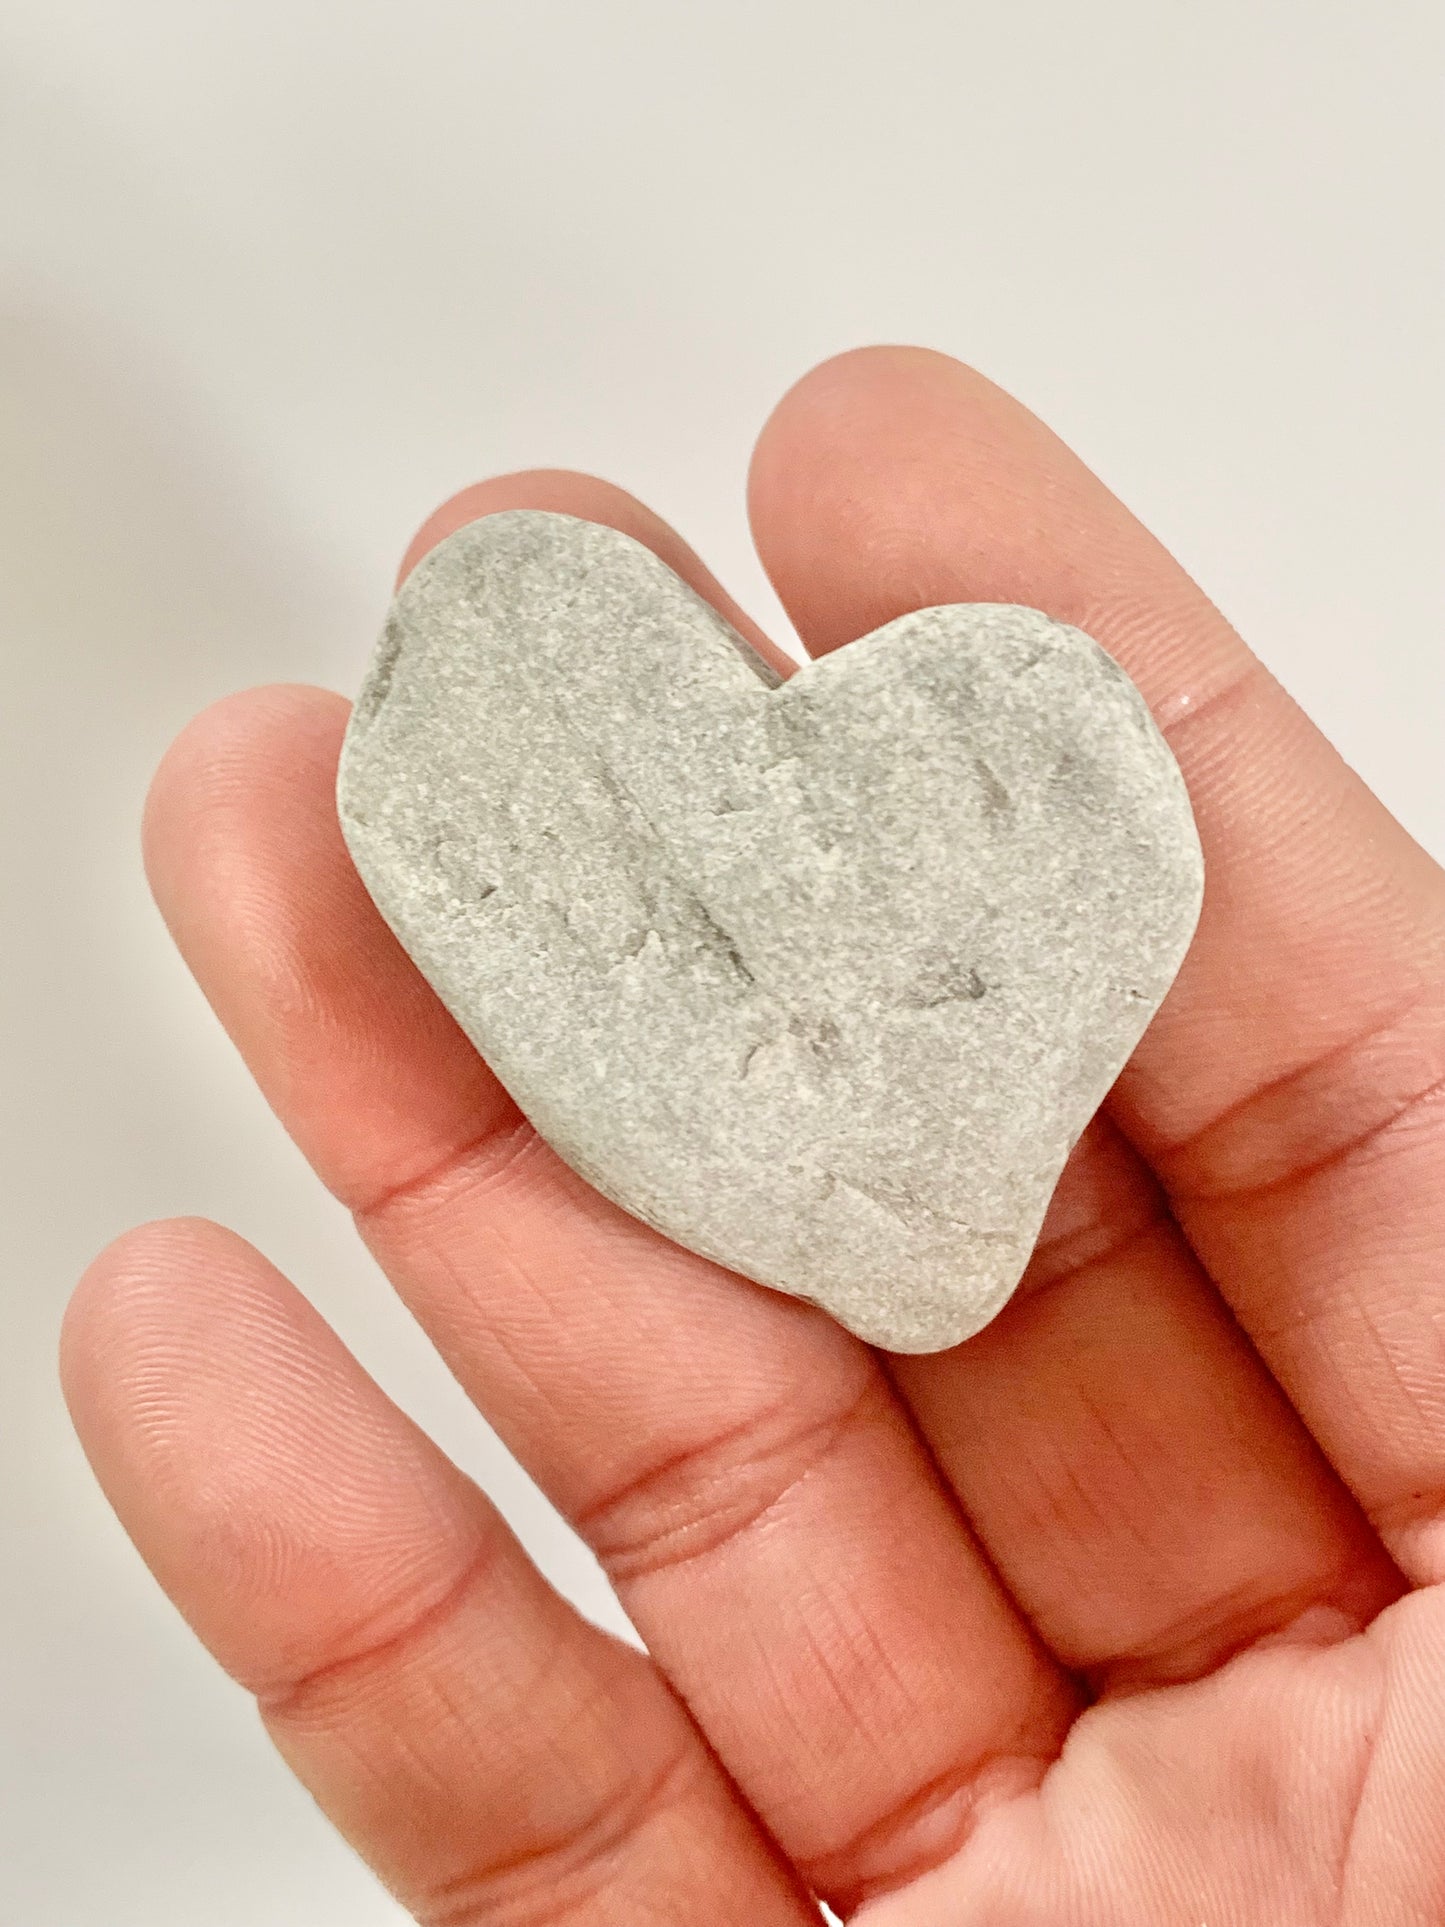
(822, 978)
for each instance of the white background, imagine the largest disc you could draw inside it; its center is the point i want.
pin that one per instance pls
(277, 276)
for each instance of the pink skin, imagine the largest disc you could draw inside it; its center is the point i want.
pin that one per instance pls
(1128, 1611)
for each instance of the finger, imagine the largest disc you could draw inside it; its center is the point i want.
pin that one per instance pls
(739, 1463)
(565, 492)
(1142, 1485)
(493, 1756)
(892, 479)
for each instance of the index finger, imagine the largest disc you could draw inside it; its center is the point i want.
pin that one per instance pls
(1291, 1092)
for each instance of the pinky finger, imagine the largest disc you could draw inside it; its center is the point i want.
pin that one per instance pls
(495, 1759)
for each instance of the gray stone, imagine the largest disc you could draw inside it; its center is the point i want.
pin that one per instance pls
(821, 977)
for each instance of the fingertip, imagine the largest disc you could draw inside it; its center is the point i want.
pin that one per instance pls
(217, 753)
(122, 1293)
(563, 491)
(896, 387)
(895, 477)
(274, 1491)
(854, 376)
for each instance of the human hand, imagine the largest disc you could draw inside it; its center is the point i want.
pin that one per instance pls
(1126, 1611)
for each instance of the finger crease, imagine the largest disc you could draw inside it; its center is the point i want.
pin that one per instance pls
(1349, 1152)
(1230, 695)
(554, 1879)
(1207, 1147)
(920, 1832)
(1090, 1247)
(705, 1497)
(284, 1701)
(1319, 1613)
(490, 1153)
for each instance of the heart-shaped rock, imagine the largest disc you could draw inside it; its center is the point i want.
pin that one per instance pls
(821, 977)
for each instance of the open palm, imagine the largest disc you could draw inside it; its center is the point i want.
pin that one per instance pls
(1122, 1612)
